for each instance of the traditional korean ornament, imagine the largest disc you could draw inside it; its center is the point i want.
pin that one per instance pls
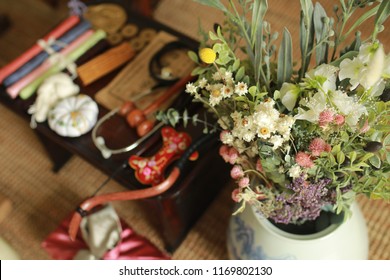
(53, 89)
(73, 116)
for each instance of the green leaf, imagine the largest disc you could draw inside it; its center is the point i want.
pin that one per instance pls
(383, 13)
(236, 64)
(213, 3)
(198, 71)
(193, 56)
(306, 35)
(185, 118)
(386, 141)
(388, 157)
(258, 12)
(252, 90)
(366, 157)
(173, 116)
(285, 61)
(217, 47)
(352, 156)
(340, 157)
(344, 136)
(383, 128)
(195, 119)
(375, 161)
(307, 9)
(212, 36)
(349, 55)
(332, 159)
(240, 73)
(336, 149)
(361, 20)
(321, 28)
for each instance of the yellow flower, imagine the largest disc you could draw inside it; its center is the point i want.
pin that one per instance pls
(264, 131)
(207, 55)
(216, 93)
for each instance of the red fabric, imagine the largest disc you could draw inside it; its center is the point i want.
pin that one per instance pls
(131, 247)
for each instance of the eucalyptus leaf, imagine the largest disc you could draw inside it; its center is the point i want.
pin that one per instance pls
(185, 118)
(195, 119)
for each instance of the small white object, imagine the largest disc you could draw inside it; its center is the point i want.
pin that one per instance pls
(73, 116)
(53, 89)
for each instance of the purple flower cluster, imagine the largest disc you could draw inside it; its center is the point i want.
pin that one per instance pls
(304, 203)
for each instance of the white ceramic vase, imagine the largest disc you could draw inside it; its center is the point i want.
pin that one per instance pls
(251, 237)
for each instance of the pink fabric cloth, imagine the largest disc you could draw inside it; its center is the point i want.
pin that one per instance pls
(131, 246)
(35, 49)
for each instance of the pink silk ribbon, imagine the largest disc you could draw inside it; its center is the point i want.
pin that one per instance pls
(131, 246)
(35, 49)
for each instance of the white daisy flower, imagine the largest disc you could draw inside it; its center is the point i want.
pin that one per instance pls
(295, 171)
(226, 91)
(241, 88)
(202, 82)
(191, 88)
(277, 141)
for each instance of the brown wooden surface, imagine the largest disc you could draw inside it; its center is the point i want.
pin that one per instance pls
(5, 207)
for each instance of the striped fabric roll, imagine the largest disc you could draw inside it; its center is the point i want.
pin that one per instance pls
(14, 90)
(33, 63)
(63, 27)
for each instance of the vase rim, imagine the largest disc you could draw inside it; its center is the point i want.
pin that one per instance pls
(274, 230)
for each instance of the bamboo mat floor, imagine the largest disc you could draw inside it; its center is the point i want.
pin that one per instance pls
(42, 199)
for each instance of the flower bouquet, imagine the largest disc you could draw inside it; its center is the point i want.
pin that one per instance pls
(302, 135)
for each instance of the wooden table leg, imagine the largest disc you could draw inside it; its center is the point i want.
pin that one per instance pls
(58, 155)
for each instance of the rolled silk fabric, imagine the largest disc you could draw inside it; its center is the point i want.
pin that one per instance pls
(14, 90)
(131, 246)
(35, 49)
(33, 63)
(27, 91)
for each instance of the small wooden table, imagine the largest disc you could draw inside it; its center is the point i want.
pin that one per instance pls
(173, 212)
